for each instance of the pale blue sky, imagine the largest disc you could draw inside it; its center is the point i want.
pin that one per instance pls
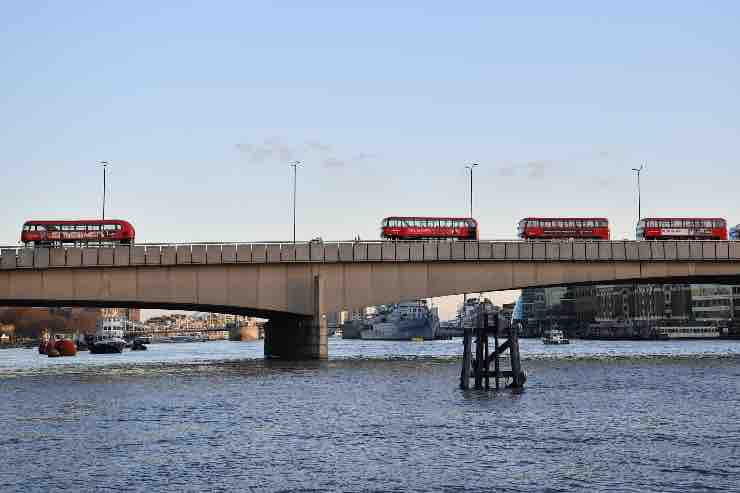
(200, 107)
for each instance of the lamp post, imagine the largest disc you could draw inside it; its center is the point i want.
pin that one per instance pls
(635, 292)
(105, 170)
(294, 165)
(639, 191)
(470, 167)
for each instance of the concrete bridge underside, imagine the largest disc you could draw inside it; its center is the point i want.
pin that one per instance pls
(293, 296)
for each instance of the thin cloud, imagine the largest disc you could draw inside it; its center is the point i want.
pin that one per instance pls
(333, 162)
(535, 170)
(364, 156)
(318, 146)
(271, 149)
(276, 149)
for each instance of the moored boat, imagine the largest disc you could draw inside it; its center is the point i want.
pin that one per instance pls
(138, 345)
(554, 336)
(411, 320)
(57, 345)
(66, 347)
(109, 336)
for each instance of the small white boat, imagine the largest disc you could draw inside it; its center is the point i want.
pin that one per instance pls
(554, 336)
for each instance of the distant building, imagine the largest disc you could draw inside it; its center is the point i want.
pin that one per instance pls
(629, 311)
(30, 322)
(133, 314)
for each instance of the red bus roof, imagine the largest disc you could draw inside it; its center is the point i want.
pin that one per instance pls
(67, 222)
(683, 218)
(432, 217)
(564, 219)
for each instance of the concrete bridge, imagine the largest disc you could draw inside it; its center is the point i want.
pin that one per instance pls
(294, 284)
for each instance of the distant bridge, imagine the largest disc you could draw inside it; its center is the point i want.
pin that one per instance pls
(294, 284)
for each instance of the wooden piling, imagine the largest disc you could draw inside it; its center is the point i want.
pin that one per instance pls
(479, 368)
(466, 363)
(519, 377)
(496, 361)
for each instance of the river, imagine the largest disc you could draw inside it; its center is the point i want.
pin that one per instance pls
(380, 416)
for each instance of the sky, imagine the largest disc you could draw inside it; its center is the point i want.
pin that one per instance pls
(200, 107)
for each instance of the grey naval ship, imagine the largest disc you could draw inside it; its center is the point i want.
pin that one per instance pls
(406, 321)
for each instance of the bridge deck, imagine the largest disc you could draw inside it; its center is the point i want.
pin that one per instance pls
(351, 252)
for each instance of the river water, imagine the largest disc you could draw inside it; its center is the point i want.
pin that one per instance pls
(380, 416)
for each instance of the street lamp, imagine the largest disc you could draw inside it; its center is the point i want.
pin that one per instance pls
(639, 191)
(105, 169)
(295, 165)
(470, 167)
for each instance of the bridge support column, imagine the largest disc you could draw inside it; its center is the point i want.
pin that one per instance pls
(297, 338)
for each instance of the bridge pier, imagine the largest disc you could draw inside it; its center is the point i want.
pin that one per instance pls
(296, 338)
(299, 338)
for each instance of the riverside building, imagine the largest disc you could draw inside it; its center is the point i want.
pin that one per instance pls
(647, 311)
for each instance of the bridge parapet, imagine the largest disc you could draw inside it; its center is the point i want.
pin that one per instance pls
(12, 258)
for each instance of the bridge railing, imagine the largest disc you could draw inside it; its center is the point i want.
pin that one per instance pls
(368, 251)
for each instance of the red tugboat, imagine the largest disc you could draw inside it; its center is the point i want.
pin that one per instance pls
(66, 347)
(57, 346)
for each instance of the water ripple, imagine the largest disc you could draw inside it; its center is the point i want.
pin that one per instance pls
(598, 416)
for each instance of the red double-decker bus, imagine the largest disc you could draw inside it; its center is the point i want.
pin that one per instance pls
(565, 228)
(682, 228)
(429, 228)
(79, 232)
